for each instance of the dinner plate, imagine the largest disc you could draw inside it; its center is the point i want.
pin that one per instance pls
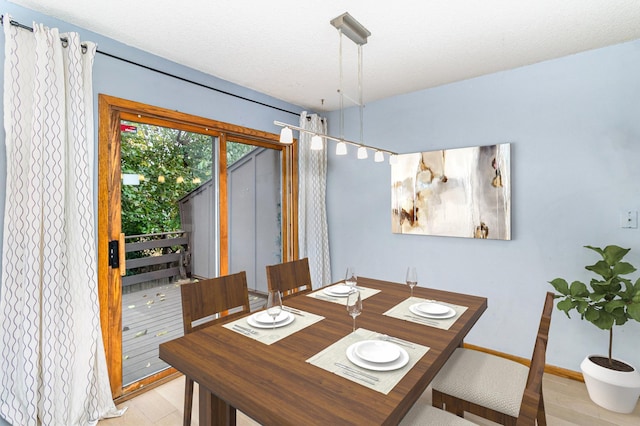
(265, 318)
(400, 362)
(377, 351)
(338, 290)
(253, 323)
(431, 308)
(414, 309)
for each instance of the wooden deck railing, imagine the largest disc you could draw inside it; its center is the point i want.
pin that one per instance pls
(161, 255)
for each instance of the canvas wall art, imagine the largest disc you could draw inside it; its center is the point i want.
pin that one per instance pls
(462, 192)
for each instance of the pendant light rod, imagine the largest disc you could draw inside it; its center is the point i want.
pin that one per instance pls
(322, 135)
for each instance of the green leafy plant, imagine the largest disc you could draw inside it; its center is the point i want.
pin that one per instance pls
(611, 300)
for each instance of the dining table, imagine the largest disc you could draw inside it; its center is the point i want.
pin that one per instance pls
(275, 383)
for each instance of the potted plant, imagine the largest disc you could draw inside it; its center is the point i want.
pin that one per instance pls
(609, 300)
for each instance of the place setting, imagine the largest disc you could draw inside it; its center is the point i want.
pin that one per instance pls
(337, 293)
(424, 311)
(371, 359)
(275, 322)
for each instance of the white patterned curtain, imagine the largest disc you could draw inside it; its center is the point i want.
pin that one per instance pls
(313, 234)
(52, 361)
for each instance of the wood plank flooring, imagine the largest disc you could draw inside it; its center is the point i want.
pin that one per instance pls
(566, 402)
(150, 317)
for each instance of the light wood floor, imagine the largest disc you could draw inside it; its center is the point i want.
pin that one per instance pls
(566, 402)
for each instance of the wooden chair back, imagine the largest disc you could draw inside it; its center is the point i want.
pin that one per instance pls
(291, 278)
(207, 302)
(532, 406)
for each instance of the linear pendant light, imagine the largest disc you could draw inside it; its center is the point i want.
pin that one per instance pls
(346, 25)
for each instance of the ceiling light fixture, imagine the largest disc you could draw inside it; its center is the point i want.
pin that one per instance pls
(346, 25)
(286, 135)
(362, 153)
(316, 143)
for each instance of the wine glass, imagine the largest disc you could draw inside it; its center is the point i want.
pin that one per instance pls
(354, 305)
(412, 278)
(351, 279)
(274, 305)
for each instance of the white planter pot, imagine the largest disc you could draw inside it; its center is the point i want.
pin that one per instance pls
(614, 390)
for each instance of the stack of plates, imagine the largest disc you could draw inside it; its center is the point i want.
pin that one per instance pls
(377, 355)
(263, 320)
(338, 290)
(432, 310)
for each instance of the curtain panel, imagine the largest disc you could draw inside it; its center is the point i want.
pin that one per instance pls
(313, 233)
(52, 361)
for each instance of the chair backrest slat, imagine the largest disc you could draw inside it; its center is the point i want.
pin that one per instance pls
(290, 277)
(207, 302)
(532, 397)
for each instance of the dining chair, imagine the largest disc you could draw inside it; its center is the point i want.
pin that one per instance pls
(208, 302)
(489, 386)
(291, 278)
(495, 388)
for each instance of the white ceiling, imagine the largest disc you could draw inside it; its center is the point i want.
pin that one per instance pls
(289, 50)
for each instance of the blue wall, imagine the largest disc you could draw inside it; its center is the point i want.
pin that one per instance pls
(574, 126)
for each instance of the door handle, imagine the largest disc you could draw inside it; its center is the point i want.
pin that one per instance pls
(123, 257)
(117, 255)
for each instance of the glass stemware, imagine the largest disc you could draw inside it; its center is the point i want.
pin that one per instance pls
(350, 278)
(274, 305)
(354, 305)
(412, 278)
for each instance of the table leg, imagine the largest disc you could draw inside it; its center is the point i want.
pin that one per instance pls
(214, 411)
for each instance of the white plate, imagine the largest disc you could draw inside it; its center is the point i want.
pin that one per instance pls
(338, 290)
(377, 351)
(253, 323)
(431, 308)
(413, 308)
(265, 318)
(402, 360)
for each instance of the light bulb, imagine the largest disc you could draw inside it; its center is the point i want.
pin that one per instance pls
(393, 159)
(378, 157)
(341, 148)
(286, 135)
(316, 143)
(362, 153)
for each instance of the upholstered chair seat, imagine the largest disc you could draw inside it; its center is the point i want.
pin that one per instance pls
(486, 380)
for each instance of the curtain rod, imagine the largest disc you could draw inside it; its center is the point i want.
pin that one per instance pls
(25, 27)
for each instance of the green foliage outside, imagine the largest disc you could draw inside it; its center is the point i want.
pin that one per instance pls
(171, 164)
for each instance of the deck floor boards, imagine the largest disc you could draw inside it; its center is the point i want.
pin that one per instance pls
(150, 317)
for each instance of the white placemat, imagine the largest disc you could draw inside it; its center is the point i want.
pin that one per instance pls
(334, 359)
(268, 336)
(320, 294)
(401, 311)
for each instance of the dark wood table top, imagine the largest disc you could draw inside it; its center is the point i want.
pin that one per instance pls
(274, 384)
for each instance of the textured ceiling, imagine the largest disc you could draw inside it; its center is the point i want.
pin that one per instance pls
(288, 49)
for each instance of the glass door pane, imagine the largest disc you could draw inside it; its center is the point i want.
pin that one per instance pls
(254, 211)
(166, 175)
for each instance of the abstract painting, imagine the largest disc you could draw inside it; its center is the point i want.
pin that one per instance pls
(463, 192)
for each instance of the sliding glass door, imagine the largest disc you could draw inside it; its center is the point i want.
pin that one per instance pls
(180, 198)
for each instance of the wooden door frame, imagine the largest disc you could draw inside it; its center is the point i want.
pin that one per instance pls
(111, 111)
